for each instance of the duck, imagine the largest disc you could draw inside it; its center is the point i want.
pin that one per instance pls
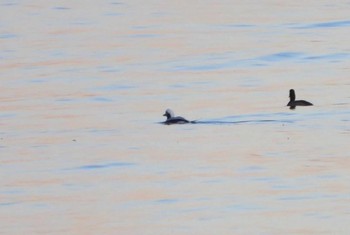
(292, 102)
(172, 119)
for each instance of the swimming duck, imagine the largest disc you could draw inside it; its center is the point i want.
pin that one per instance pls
(292, 102)
(171, 119)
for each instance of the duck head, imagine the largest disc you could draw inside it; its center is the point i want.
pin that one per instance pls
(169, 113)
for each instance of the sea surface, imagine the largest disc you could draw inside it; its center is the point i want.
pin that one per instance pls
(83, 146)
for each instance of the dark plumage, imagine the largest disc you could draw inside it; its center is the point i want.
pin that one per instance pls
(171, 119)
(292, 102)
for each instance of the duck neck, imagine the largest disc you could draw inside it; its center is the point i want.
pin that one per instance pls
(168, 116)
(292, 96)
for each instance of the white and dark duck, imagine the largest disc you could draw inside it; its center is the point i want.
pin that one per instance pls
(292, 102)
(172, 119)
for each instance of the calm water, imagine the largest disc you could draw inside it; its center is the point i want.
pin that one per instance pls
(84, 86)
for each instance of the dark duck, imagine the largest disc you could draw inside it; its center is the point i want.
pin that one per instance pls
(172, 119)
(292, 102)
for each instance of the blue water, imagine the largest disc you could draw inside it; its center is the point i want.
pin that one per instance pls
(226, 61)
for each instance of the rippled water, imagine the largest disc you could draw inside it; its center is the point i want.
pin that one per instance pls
(83, 145)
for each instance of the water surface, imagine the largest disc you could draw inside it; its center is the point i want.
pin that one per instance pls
(84, 87)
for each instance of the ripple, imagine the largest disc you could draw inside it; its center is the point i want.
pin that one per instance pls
(251, 169)
(117, 3)
(257, 118)
(167, 201)
(212, 62)
(61, 8)
(8, 35)
(104, 166)
(238, 25)
(7, 115)
(281, 56)
(115, 87)
(245, 207)
(144, 35)
(223, 122)
(101, 99)
(331, 56)
(8, 4)
(8, 204)
(330, 24)
(306, 197)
